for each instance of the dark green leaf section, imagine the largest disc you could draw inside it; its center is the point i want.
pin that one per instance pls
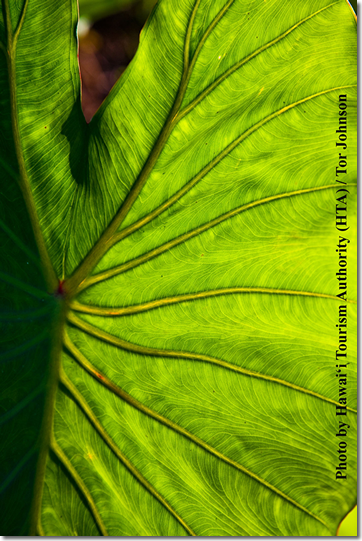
(194, 222)
(26, 309)
(94, 9)
(25, 312)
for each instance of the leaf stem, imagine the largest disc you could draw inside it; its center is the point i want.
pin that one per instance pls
(40, 532)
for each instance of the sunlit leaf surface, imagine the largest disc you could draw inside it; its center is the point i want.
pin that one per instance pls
(180, 378)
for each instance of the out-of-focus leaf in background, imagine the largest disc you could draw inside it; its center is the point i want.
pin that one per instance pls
(96, 9)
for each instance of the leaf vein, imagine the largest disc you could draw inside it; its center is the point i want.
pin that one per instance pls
(22, 404)
(242, 62)
(135, 348)
(110, 443)
(166, 301)
(186, 236)
(20, 465)
(79, 483)
(180, 430)
(191, 183)
(21, 21)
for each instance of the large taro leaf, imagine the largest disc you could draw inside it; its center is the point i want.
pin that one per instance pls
(180, 378)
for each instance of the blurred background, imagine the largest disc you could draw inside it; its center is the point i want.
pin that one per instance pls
(108, 39)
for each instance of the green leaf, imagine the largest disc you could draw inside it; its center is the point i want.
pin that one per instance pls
(348, 527)
(169, 294)
(96, 9)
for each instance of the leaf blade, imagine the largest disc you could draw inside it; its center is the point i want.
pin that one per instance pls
(214, 415)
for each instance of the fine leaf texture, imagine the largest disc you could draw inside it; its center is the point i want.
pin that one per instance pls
(168, 280)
